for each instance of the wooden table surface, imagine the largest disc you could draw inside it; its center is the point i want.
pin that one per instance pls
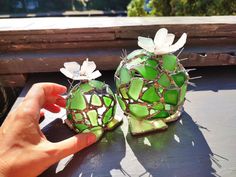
(200, 144)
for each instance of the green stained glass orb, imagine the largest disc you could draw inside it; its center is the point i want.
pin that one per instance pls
(150, 90)
(91, 105)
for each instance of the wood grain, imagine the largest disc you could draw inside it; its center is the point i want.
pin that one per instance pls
(32, 45)
(106, 59)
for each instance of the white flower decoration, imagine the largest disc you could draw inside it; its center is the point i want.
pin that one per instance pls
(162, 43)
(73, 70)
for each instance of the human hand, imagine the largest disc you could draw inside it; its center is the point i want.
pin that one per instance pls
(24, 150)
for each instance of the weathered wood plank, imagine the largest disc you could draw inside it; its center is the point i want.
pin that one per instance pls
(43, 45)
(211, 59)
(52, 38)
(13, 80)
(105, 22)
(223, 42)
(69, 45)
(132, 31)
(106, 59)
(124, 27)
(193, 30)
(57, 33)
(31, 62)
(72, 45)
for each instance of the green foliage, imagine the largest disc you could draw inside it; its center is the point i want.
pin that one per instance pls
(136, 8)
(182, 7)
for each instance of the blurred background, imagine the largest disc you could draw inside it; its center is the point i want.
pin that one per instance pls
(118, 7)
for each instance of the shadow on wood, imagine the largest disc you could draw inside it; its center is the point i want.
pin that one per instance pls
(96, 160)
(180, 151)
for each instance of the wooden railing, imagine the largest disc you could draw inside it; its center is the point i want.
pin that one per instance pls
(33, 45)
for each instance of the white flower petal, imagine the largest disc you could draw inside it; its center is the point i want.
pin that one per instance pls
(169, 39)
(72, 66)
(87, 67)
(179, 44)
(95, 75)
(160, 37)
(162, 51)
(146, 43)
(73, 70)
(82, 78)
(67, 73)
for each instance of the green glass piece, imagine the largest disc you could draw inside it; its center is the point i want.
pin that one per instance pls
(134, 62)
(107, 116)
(114, 109)
(85, 88)
(179, 78)
(78, 101)
(164, 80)
(153, 111)
(80, 127)
(68, 102)
(124, 76)
(159, 106)
(123, 92)
(145, 57)
(160, 90)
(162, 114)
(135, 53)
(109, 91)
(138, 110)
(150, 95)
(113, 123)
(97, 84)
(93, 117)
(169, 62)
(135, 88)
(171, 97)
(95, 100)
(167, 107)
(147, 72)
(183, 93)
(121, 103)
(152, 63)
(118, 82)
(107, 101)
(69, 116)
(144, 126)
(78, 117)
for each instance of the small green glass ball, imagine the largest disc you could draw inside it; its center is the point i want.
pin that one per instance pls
(151, 87)
(90, 104)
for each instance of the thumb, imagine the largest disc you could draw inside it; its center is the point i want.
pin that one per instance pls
(74, 144)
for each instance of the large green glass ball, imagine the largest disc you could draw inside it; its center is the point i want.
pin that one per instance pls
(90, 105)
(151, 87)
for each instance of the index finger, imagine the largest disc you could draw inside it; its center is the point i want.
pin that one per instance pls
(38, 94)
